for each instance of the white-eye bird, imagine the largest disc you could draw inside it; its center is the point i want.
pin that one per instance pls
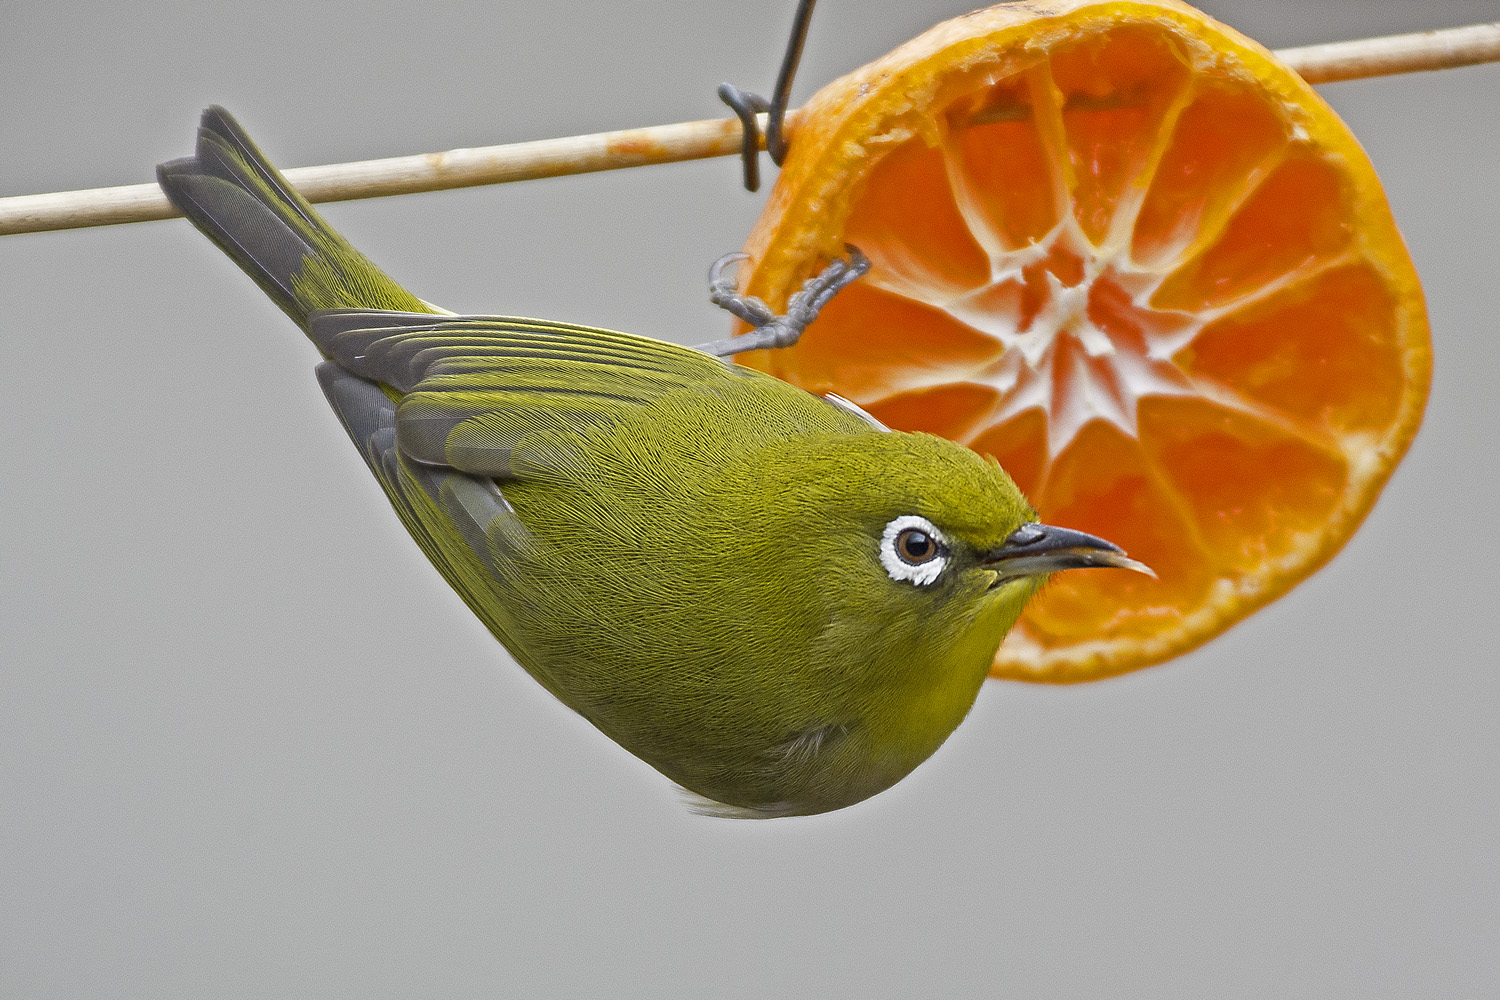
(766, 595)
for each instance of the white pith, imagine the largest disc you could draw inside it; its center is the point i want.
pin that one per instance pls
(1040, 367)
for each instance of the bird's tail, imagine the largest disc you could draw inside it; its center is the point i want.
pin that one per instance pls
(230, 191)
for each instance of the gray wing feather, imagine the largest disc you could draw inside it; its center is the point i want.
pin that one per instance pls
(439, 429)
(361, 406)
(475, 505)
(403, 349)
(475, 385)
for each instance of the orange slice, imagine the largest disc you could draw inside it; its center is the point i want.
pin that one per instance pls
(1121, 248)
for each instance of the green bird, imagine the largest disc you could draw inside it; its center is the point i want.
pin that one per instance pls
(771, 598)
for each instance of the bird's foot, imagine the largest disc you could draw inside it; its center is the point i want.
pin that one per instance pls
(772, 330)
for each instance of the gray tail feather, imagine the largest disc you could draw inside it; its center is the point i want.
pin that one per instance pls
(232, 193)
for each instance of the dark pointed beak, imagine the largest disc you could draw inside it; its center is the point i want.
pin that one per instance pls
(1034, 549)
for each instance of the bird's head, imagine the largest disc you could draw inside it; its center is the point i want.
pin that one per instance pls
(928, 535)
(925, 555)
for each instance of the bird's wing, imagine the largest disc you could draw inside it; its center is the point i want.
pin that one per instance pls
(471, 422)
(441, 407)
(475, 506)
(472, 386)
(462, 523)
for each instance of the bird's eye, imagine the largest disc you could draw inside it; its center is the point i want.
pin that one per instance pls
(915, 546)
(913, 550)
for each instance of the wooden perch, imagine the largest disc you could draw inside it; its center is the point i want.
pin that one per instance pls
(581, 154)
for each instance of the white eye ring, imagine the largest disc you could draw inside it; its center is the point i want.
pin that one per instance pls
(904, 570)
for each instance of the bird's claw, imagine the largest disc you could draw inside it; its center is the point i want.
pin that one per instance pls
(771, 330)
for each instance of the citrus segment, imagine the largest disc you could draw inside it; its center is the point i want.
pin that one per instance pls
(1348, 379)
(948, 410)
(1002, 165)
(1020, 446)
(1221, 144)
(915, 345)
(1120, 248)
(1105, 483)
(911, 221)
(1213, 457)
(1114, 91)
(1297, 217)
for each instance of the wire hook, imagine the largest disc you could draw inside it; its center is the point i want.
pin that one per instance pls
(747, 105)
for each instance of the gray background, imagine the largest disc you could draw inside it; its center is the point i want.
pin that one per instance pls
(251, 745)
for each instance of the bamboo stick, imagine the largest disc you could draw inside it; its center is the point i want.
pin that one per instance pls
(1428, 50)
(1447, 48)
(455, 168)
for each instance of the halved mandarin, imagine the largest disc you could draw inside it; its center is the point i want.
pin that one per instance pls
(1121, 248)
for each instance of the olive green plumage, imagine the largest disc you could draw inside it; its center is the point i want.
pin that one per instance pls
(692, 555)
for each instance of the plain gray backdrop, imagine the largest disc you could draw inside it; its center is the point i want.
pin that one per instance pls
(251, 745)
